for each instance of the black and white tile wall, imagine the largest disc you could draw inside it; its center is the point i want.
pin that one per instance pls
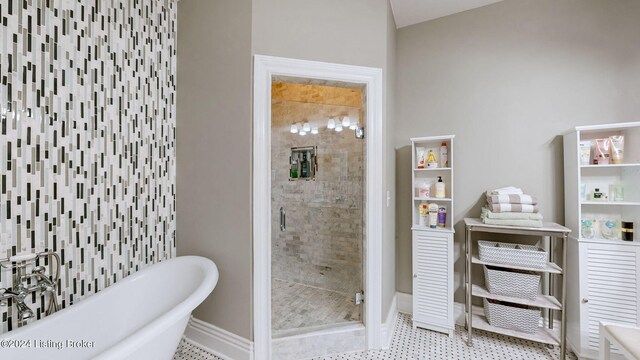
(87, 139)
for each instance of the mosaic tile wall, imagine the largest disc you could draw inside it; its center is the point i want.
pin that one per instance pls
(323, 242)
(87, 139)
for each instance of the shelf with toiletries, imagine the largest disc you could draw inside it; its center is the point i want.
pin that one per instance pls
(432, 199)
(432, 180)
(303, 163)
(619, 203)
(602, 173)
(434, 169)
(602, 208)
(605, 166)
(432, 233)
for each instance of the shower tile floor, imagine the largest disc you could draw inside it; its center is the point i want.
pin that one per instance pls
(420, 344)
(296, 306)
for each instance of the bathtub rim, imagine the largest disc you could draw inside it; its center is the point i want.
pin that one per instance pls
(148, 330)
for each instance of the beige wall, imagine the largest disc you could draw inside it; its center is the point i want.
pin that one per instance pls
(356, 32)
(214, 152)
(508, 79)
(216, 41)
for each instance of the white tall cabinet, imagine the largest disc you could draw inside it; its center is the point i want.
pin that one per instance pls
(603, 274)
(433, 247)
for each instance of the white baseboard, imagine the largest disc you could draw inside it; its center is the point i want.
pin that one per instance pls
(405, 306)
(217, 341)
(405, 303)
(389, 326)
(331, 340)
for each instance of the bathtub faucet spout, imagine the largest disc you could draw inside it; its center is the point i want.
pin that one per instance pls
(24, 313)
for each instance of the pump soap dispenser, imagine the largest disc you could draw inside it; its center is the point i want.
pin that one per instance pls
(440, 190)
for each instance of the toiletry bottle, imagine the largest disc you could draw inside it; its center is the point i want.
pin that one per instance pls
(442, 216)
(627, 230)
(444, 155)
(440, 188)
(431, 160)
(294, 168)
(433, 215)
(423, 218)
(304, 172)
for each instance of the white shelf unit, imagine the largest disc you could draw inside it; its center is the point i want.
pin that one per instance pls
(432, 248)
(603, 274)
(430, 175)
(549, 301)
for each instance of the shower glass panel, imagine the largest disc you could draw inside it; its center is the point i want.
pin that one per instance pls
(317, 219)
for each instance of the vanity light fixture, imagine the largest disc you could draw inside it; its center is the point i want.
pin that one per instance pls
(294, 129)
(306, 127)
(346, 122)
(303, 133)
(331, 124)
(338, 127)
(314, 130)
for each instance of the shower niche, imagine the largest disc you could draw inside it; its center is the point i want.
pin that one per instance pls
(303, 163)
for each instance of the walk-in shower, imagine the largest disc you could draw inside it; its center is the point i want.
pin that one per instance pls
(317, 205)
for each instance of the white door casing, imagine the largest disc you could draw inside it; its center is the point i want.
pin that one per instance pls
(264, 68)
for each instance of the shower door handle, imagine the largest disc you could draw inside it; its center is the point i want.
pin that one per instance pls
(283, 219)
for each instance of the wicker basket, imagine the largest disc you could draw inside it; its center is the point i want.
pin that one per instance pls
(512, 254)
(521, 284)
(523, 319)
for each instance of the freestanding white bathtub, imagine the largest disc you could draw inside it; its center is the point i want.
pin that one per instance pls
(143, 316)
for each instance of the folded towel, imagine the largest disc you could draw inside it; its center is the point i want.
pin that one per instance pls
(523, 223)
(522, 208)
(510, 215)
(505, 191)
(512, 199)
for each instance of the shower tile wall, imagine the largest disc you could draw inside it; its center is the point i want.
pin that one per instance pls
(88, 149)
(322, 244)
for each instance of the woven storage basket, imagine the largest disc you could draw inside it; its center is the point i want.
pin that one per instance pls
(512, 283)
(512, 254)
(511, 317)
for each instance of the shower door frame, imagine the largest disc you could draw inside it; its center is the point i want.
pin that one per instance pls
(264, 69)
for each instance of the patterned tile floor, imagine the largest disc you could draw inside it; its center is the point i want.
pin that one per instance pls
(409, 344)
(297, 306)
(189, 351)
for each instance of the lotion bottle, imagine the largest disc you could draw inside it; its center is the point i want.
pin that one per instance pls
(440, 190)
(444, 155)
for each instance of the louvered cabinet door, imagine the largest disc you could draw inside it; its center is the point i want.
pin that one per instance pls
(613, 288)
(433, 281)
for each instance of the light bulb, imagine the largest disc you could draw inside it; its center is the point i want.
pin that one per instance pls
(314, 131)
(331, 124)
(346, 121)
(294, 128)
(303, 133)
(338, 127)
(306, 127)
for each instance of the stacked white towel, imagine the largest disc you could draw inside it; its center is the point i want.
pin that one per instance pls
(511, 206)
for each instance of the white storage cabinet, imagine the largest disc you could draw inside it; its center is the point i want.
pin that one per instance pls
(603, 274)
(433, 248)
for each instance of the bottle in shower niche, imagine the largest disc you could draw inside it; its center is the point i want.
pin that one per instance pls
(304, 168)
(440, 188)
(293, 173)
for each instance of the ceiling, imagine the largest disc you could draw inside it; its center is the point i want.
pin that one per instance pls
(409, 12)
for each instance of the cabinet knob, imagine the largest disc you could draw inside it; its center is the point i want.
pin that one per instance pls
(415, 276)
(585, 300)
